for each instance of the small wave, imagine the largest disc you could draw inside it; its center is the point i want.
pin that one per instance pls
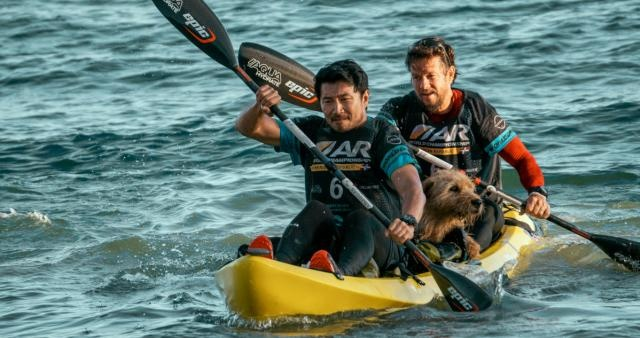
(181, 298)
(32, 217)
(20, 190)
(126, 283)
(39, 79)
(622, 112)
(309, 325)
(65, 164)
(52, 150)
(625, 48)
(474, 272)
(96, 138)
(593, 178)
(133, 245)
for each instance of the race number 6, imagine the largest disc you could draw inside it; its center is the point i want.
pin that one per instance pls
(336, 190)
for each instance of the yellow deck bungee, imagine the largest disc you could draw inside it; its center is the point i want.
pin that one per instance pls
(260, 288)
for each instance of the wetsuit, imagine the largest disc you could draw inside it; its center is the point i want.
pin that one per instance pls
(333, 219)
(469, 136)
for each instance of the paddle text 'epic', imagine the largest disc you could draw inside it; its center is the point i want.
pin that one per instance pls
(296, 88)
(201, 30)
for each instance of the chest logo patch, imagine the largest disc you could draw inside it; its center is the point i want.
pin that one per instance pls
(422, 132)
(345, 149)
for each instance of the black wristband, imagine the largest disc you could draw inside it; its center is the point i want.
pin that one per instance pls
(540, 190)
(409, 219)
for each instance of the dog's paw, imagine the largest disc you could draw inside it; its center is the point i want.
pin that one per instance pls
(473, 248)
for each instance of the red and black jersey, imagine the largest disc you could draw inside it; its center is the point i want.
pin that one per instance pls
(469, 137)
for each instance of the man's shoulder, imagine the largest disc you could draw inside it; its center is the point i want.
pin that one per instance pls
(309, 120)
(392, 104)
(471, 96)
(477, 105)
(381, 122)
(398, 104)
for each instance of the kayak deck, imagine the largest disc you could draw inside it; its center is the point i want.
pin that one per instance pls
(261, 288)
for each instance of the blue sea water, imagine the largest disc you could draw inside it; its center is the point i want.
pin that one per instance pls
(123, 185)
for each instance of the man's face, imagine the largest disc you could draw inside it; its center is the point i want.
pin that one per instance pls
(431, 80)
(344, 109)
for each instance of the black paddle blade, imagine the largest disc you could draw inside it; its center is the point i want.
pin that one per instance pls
(293, 81)
(462, 294)
(623, 251)
(198, 23)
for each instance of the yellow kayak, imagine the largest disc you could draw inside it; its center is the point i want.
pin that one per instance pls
(260, 288)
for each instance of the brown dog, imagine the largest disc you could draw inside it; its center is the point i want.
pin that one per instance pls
(451, 203)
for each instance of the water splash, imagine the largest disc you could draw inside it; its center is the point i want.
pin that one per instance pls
(631, 264)
(335, 324)
(32, 217)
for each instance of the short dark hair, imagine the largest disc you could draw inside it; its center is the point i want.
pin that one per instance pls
(343, 70)
(431, 46)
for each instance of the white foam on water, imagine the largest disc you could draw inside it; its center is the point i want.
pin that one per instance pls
(12, 212)
(475, 272)
(33, 216)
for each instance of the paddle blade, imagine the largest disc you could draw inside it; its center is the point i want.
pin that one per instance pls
(462, 294)
(293, 81)
(623, 251)
(201, 26)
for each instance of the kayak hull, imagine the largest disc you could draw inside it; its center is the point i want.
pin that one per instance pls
(259, 288)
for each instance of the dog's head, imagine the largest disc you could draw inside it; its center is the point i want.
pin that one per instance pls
(451, 194)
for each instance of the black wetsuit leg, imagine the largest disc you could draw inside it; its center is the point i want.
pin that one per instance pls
(311, 230)
(489, 225)
(363, 237)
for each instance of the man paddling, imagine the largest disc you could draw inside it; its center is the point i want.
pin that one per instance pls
(369, 151)
(462, 128)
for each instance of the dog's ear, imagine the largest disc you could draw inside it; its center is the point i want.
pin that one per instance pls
(427, 186)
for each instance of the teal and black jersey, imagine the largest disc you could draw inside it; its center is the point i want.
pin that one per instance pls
(470, 141)
(368, 156)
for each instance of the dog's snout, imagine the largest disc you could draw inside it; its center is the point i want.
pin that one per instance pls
(477, 203)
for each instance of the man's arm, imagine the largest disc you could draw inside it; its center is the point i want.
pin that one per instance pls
(517, 155)
(256, 121)
(407, 183)
(504, 141)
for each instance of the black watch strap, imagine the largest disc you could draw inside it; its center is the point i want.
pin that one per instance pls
(409, 219)
(540, 190)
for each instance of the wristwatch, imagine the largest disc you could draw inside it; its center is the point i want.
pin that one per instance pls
(409, 219)
(540, 190)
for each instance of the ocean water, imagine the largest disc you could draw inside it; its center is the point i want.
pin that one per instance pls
(123, 185)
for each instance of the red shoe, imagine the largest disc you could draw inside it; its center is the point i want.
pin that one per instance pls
(322, 261)
(261, 246)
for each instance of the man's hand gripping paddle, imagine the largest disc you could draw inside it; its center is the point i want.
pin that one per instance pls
(200, 25)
